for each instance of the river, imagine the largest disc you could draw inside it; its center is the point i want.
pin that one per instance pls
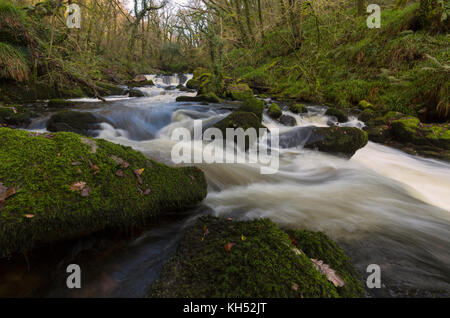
(383, 206)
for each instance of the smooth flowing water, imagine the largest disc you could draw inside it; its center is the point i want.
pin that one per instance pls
(383, 206)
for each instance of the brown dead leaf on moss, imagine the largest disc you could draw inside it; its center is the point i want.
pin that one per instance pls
(229, 246)
(78, 186)
(330, 273)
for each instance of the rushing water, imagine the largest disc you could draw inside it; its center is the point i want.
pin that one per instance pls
(383, 206)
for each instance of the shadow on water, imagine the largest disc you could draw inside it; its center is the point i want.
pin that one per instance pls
(113, 264)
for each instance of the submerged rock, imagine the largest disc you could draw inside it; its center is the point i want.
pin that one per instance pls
(343, 141)
(67, 186)
(71, 121)
(256, 259)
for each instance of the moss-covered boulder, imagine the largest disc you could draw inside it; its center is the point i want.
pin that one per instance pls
(287, 120)
(140, 84)
(298, 108)
(134, 92)
(63, 185)
(193, 84)
(339, 114)
(366, 115)
(363, 104)
(106, 89)
(240, 91)
(411, 130)
(15, 116)
(274, 111)
(256, 259)
(253, 105)
(60, 103)
(71, 121)
(244, 120)
(208, 98)
(337, 140)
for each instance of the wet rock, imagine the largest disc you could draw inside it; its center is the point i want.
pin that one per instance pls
(343, 141)
(60, 103)
(253, 105)
(240, 91)
(193, 84)
(338, 114)
(287, 120)
(66, 204)
(15, 116)
(206, 98)
(254, 259)
(136, 93)
(298, 108)
(275, 111)
(71, 121)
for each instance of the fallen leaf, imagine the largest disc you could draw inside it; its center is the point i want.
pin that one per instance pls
(138, 174)
(76, 163)
(29, 216)
(229, 246)
(147, 192)
(86, 192)
(230, 219)
(297, 251)
(120, 173)
(243, 238)
(295, 286)
(78, 186)
(330, 273)
(95, 168)
(125, 164)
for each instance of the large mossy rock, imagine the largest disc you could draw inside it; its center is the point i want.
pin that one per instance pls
(298, 108)
(343, 141)
(411, 130)
(70, 121)
(15, 116)
(201, 98)
(275, 111)
(253, 105)
(66, 185)
(338, 114)
(256, 259)
(240, 91)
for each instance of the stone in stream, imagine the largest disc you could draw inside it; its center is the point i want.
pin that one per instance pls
(15, 116)
(66, 188)
(274, 111)
(134, 92)
(219, 257)
(60, 103)
(287, 120)
(71, 121)
(338, 114)
(343, 141)
(208, 98)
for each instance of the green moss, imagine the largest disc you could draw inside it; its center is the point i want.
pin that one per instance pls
(20, 118)
(60, 103)
(411, 130)
(199, 71)
(43, 167)
(112, 89)
(318, 245)
(339, 114)
(193, 84)
(275, 111)
(338, 140)
(263, 265)
(365, 105)
(298, 108)
(240, 92)
(253, 105)
(208, 98)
